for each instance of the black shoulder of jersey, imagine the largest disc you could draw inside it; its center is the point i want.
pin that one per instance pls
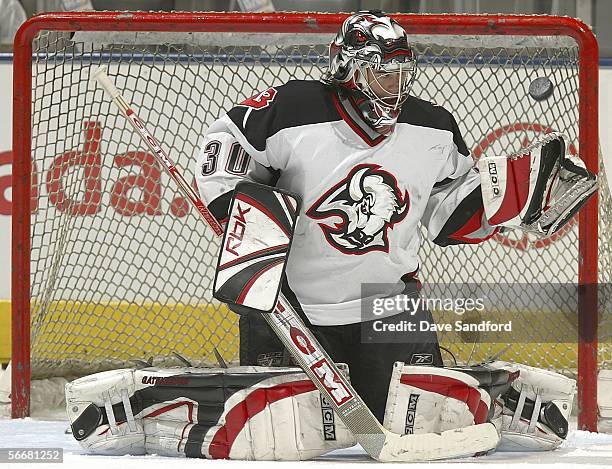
(423, 113)
(306, 102)
(295, 103)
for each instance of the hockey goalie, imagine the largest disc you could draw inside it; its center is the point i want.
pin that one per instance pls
(276, 413)
(322, 186)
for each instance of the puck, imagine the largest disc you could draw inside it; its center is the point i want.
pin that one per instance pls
(541, 88)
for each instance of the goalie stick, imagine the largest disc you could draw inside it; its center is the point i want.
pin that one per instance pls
(378, 442)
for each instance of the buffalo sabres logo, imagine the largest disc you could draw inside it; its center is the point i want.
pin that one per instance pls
(368, 203)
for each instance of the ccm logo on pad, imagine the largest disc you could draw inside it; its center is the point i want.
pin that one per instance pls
(411, 413)
(494, 178)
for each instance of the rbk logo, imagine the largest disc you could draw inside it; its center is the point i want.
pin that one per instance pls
(367, 203)
(234, 237)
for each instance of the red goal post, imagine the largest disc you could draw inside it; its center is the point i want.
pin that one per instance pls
(25, 181)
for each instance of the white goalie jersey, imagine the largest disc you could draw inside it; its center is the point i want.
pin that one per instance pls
(364, 194)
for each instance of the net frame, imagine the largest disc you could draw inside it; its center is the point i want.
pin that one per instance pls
(301, 23)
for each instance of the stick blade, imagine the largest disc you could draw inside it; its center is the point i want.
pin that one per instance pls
(457, 443)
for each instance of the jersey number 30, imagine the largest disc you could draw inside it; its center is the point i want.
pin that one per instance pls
(237, 163)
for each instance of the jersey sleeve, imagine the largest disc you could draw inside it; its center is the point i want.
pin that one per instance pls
(242, 145)
(455, 212)
(221, 164)
(256, 122)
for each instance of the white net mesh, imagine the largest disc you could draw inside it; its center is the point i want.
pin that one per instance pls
(122, 268)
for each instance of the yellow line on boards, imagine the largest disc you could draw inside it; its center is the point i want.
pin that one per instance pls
(123, 331)
(5, 331)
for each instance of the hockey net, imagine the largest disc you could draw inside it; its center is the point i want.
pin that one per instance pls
(120, 267)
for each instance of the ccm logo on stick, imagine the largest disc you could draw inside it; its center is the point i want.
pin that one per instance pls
(234, 237)
(331, 381)
(301, 341)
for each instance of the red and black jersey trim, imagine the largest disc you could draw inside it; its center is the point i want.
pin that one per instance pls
(296, 103)
(352, 116)
(466, 219)
(304, 102)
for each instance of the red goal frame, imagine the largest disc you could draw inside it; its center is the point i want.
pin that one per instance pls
(301, 23)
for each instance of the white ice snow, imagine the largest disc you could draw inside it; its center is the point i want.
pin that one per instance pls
(582, 448)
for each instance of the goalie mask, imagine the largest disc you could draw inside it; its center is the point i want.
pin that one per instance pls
(371, 58)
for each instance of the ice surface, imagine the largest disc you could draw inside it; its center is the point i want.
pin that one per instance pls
(581, 448)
